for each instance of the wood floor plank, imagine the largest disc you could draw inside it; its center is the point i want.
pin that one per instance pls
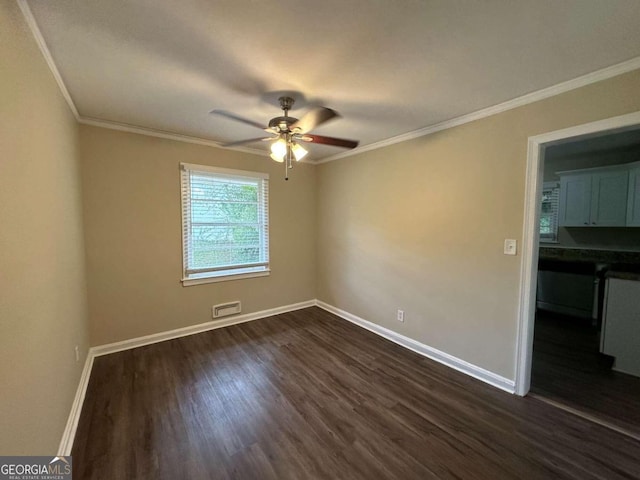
(569, 369)
(306, 395)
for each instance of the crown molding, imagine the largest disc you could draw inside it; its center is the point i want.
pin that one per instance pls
(44, 49)
(584, 80)
(589, 78)
(151, 132)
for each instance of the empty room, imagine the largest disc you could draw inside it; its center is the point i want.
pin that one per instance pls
(320, 240)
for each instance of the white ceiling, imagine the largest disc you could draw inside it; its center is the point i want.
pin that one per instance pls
(389, 67)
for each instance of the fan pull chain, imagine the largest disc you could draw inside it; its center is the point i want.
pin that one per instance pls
(287, 159)
(286, 171)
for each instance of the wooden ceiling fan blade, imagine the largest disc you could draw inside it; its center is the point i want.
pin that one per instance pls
(249, 140)
(238, 118)
(336, 142)
(313, 118)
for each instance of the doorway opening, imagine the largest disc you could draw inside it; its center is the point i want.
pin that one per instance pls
(574, 243)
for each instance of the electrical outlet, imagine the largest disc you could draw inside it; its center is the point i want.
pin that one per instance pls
(401, 315)
(77, 350)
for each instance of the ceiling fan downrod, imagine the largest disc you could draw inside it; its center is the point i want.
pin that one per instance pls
(284, 122)
(286, 103)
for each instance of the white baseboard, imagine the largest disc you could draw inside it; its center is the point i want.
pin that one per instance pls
(193, 329)
(69, 433)
(449, 360)
(480, 373)
(74, 416)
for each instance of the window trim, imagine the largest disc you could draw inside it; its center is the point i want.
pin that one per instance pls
(223, 273)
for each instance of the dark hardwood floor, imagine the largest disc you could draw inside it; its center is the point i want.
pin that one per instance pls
(568, 369)
(306, 395)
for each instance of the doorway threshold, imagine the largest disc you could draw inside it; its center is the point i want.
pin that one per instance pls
(587, 416)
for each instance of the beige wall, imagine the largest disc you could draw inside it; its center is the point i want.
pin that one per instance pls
(133, 235)
(420, 225)
(417, 226)
(42, 290)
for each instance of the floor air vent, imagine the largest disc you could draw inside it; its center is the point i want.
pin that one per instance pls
(226, 309)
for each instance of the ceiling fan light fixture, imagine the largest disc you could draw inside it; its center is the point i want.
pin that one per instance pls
(277, 158)
(298, 151)
(279, 149)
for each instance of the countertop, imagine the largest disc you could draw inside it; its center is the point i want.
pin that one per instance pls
(609, 257)
(623, 265)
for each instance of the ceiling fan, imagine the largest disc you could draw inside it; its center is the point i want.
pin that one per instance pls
(286, 132)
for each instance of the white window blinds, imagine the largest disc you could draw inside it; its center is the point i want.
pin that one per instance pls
(549, 212)
(225, 222)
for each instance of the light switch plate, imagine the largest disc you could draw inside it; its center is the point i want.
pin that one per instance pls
(510, 246)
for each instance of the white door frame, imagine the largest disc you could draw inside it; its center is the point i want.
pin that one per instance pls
(529, 265)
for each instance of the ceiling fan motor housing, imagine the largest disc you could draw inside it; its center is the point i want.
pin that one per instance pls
(282, 123)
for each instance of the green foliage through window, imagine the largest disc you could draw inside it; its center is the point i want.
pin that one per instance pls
(549, 212)
(226, 221)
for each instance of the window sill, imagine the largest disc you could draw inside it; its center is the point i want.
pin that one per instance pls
(187, 282)
(548, 241)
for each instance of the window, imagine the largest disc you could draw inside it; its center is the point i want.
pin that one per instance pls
(549, 212)
(225, 224)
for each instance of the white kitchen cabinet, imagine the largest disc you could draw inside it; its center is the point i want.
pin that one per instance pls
(575, 200)
(609, 198)
(595, 197)
(620, 336)
(633, 200)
